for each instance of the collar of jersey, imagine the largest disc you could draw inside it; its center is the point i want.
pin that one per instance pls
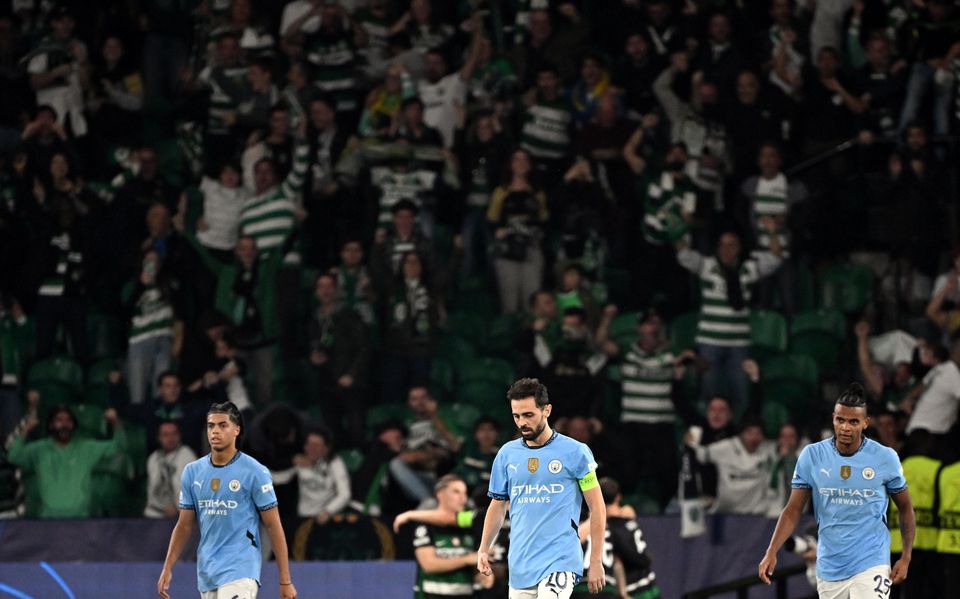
(833, 444)
(234, 459)
(549, 441)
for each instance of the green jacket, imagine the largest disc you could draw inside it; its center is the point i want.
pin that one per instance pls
(265, 291)
(64, 474)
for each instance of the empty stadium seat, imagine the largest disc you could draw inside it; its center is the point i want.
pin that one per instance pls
(768, 334)
(793, 381)
(819, 334)
(846, 287)
(105, 333)
(460, 417)
(492, 370)
(352, 459)
(683, 331)
(500, 334)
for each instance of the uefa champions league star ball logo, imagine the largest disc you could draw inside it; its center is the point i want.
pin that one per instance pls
(554, 466)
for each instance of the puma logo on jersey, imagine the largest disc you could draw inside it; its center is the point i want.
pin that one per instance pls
(825, 471)
(512, 467)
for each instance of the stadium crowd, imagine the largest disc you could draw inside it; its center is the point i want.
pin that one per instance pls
(360, 220)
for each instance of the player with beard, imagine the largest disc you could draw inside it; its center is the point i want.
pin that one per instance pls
(545, 476)
(849, 477)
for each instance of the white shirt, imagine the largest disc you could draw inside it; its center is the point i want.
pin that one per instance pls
(163, 479)
(64, 99)
(295, 10)
(936, 410)
(324, 487)
(221, 210)
(743, 478)
(440, 101)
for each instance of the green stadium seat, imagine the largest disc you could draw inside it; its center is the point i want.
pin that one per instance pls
(490, 397)
(460, 417)
(775, 415)
(137, 447)
(493, 370)
(106, 336)
(31, 494)
(110, 497)
(352, 459)
(469, 326)
(683, 331)
(623, 329)
(820, 335)
(806, 287)
(768, 334)
(793, 381)
(60, 370)
(846, 287)
(798, 369)
(90, 420)
(442, 378)
(501, 334)
(456, 349)
(383, 412)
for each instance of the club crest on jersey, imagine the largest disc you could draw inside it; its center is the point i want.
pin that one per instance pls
(215, 485)
(234, 485)
(533, 464)
(554, 466)
(844, 472)
(869, 473)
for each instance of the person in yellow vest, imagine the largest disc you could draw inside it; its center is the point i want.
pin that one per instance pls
(948, 542)
(921, 472)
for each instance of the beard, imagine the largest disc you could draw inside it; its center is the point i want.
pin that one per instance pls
(534, 432)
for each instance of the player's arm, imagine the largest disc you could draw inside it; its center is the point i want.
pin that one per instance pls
(435, 517)
(491, 527)
(178, 540)
(620, 576)
(432, 564)
(786, 524)
(908, 528)
(271, 520)
(598, 525)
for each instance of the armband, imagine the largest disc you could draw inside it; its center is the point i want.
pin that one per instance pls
(589, 481)
(464, 519)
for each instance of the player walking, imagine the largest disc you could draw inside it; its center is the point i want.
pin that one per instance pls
(849, 478)
(543, 475)
(226, 491)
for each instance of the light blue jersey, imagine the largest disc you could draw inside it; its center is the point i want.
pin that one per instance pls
(228, 500)
(542, 484)
(849, 495)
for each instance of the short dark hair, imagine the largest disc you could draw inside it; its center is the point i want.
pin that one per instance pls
(751, 420)
(167, 374)
(853, 396)
(610, 489)
(486, 420)
(445, 481)
(529, 387)
(233, 412)
(60, 409)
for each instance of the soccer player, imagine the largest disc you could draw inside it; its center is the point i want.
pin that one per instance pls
(445, 554)
(624, 553)
(849, 478)
(545, 476)
(228, 493)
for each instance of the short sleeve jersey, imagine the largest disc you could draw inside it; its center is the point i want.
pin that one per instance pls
(227, 500)
(850, 496)
(542, 485)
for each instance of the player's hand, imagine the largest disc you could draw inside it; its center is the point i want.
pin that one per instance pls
(483, 563)
(399, 521)
(767, 565)
(163, 585)
(597, 579)
(899, 572)
(288, 591)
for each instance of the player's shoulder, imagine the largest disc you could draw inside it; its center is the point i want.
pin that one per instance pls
(566, 443)
(196, 466)
(511, 446)
(871, 447)
(251, 464)
(818, 449)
